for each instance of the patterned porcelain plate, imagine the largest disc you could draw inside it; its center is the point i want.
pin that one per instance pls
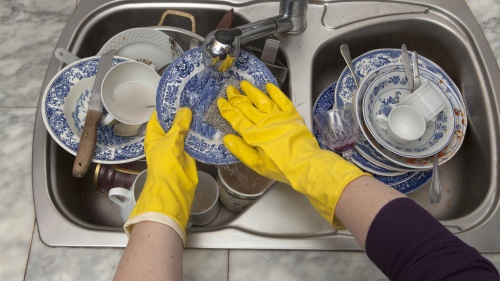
(404, 182)
(364, 148)
(408, 182)
(382, 96)
(64, 107)
(187, 83)
(375, 60)
(370, 167)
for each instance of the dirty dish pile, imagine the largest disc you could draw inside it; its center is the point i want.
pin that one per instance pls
(64, 107)
(404, 164)
(151, 71)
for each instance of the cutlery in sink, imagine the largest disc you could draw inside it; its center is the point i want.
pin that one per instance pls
(88, 138)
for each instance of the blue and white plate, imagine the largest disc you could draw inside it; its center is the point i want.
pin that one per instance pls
(64, 107)
(371, 154)
(402, 181)
(187, 83)
(390, 59)
(408, 182)
(365, 164)
(383, 95)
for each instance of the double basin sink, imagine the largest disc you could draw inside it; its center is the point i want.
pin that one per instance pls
(71, 212)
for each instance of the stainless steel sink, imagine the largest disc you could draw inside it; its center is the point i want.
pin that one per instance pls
(71, 212)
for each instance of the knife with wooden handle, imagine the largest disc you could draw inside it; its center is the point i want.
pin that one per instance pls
(88, 139)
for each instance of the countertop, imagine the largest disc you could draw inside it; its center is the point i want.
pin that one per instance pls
(28, 35)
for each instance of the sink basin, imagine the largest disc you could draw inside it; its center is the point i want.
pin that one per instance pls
(71, 212)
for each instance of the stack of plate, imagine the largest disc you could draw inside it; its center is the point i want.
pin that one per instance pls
(406, 168)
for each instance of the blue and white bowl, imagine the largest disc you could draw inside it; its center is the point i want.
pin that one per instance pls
(64, 107)
(384, 94)
(187, 83)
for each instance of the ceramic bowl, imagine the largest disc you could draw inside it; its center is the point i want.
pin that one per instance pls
(187, 83)
(146, 45)
(64, 107)
(383, 94)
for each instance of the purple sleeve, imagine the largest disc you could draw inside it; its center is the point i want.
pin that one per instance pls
(407, 243)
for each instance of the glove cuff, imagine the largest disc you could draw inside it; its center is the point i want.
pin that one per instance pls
(156, 217)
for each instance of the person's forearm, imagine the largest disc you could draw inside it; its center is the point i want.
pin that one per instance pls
(360, 202)
(154, 252)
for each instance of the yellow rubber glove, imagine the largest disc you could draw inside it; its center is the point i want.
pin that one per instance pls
(276, 143)
(172, 176)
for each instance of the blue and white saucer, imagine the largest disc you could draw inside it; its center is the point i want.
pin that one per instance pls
(187, 83)
(64, 107)
(408, 182)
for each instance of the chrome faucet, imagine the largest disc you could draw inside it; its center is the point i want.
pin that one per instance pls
(221, 47)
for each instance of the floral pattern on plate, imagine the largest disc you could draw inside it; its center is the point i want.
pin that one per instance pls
(187, 83)
(389, 59)
(383, 95)
(64, 107)
(404, 182)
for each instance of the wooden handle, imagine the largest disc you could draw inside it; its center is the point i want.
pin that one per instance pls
(86, 148)
(227, 20)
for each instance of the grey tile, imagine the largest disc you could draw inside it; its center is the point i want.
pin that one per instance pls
(17, 214)
(301, 265)
(29, 31)
(61, 263)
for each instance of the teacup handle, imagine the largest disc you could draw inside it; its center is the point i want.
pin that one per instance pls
(117, 193)
(107, 120)
(382, 121)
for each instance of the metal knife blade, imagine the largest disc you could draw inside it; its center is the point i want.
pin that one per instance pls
(406, 63)
(88, 139)
(416, 75)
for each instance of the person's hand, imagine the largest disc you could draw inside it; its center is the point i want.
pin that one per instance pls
(171, 178)
(276, 143)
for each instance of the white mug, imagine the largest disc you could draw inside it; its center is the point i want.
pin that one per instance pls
(428, 99)
(403, 125)
(129, 93)
(126, 199)
(205, 205)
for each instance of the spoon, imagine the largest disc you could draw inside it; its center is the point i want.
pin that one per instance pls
(344, 50)
(435, 192)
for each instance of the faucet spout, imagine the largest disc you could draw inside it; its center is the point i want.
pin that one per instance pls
(221, 47)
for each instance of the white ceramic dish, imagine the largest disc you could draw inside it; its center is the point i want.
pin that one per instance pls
(64, 107)
(383, 94)
(145, 45)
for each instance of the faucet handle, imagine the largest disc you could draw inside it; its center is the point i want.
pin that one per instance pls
(220, 49)
(227, 36)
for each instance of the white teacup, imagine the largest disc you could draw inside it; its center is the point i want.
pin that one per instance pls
(428, 99)
(403, 125)
(205, 205)
(129, 93)
(127, 199)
